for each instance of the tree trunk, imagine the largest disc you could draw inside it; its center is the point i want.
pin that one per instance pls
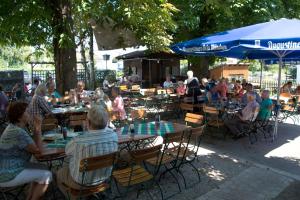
(84, 64)
(200, 65)
(91, 53)
(64, 50)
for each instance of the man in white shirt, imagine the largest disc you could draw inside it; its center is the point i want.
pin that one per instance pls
(99, 140)
(248, 114)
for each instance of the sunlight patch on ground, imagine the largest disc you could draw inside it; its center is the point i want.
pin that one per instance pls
(214, 174)
(204, 152)
(228, 157)
(289, 151)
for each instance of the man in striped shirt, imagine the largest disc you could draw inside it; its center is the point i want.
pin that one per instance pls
(99, 140)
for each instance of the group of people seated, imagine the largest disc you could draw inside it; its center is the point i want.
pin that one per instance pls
(18, 147)
(18, 144)
(210, 91)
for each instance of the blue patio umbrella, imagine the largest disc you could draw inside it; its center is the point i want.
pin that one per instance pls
(276, 40)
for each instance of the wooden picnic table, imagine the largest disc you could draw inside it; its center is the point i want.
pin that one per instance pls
(48, 154)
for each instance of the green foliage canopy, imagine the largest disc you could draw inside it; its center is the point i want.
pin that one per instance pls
(29, 22)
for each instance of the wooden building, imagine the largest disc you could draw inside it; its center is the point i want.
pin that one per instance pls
(151, 68)
(237, 71)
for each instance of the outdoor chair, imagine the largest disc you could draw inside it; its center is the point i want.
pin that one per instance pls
(136, 174)
(161, 91)
(193, 119)
(169, 157)
(135, 87)
(77, 121)
(49, 123)
(139, 114)
(123, 87)
(149, 91)
(12, 193)
(251, 127)
(186, 107)
(88, 165)
(290, 111)
(213, 119)
(189, 150)
(265, 126)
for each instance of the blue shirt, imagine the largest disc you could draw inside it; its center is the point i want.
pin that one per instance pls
(13, 156)
(245, 99)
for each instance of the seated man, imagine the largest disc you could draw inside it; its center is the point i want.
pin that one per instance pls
(249, 90)
(248, 114)
(168, 83)
(99, 140)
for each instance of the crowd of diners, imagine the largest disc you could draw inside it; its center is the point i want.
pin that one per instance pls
(22, 138)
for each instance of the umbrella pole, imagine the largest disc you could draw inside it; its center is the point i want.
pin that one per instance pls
(261, 69)
(278, 95)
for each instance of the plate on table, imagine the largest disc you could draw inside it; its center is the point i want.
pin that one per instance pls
(52, 136)
(58, 110)
(72, 134)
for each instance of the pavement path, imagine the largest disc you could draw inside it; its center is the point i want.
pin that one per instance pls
(253, 183)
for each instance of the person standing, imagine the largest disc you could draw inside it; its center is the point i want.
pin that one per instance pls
(118, 104)
(192, 86)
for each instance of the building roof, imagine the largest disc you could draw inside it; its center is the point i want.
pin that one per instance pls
(228, 66)
(145, 54)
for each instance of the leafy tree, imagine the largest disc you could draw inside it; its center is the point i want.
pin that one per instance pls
(55, 23)
(197, 18)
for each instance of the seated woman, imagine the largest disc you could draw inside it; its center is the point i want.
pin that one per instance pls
(287, 88)
(118, 104)
(241, 122)
(265, 106)
(53, 96)
(222, 89)
(238, 89)
(180, 90)
(17, 147)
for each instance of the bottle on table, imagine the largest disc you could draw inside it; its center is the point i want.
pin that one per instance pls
(65, 133)
(131, 129)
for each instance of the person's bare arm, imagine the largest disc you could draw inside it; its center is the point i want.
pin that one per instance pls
(32, 148)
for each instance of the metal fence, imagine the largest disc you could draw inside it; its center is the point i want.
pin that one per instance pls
(81, 75)
(269, 85)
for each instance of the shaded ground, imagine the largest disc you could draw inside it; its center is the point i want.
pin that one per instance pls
(264, 170)
(292, 192)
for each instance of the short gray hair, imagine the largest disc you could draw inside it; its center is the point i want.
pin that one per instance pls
(190, 73)
(40, 90)
(98, 117)
(99, 94)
